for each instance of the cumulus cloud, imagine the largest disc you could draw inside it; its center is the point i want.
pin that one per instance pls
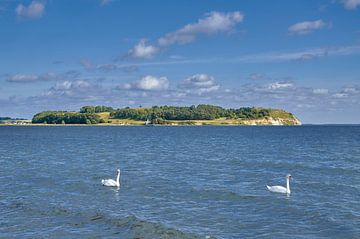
(280, 85)
(33, 11)
(275, 89)
(199, 83)
(347, 92)
(212, 23)
(141, 50)
(340, 95)
(76, 89)
(351, 90)
(148, 83)
(351, 4)
(306, 27)
(67, 85)
(63, 95)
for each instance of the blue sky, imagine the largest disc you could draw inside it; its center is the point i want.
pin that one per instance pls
(301, 56)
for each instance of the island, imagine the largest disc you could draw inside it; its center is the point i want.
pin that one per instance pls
(167, 115)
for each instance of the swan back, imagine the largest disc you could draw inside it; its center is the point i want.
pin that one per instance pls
(109, 183)
(281, 189)
(277, 189)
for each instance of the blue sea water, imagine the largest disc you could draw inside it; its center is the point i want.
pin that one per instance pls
(179, 182)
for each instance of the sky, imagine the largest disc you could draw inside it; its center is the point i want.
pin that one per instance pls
(300, 56)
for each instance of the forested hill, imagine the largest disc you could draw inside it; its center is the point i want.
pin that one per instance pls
(168, 115)
(200, 112)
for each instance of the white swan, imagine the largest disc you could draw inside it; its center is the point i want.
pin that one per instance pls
(281, 189)
(111, 182)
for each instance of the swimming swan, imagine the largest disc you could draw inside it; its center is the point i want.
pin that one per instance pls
(281, 189)
(111, 182)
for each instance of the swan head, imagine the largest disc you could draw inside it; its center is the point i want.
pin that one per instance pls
(288, 176)
(118, 170)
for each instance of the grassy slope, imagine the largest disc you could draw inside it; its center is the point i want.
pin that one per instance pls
(106, 117)
(288, 118)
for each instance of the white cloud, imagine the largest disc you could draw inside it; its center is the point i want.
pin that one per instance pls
(50, 76)
(280, 85)
(67, 85)
(307, 26)
(33, 11)
(23, 78)
(148, 83)
(340, 95)
(214, 22)
(351, 4)
(276, 56)
(28, 78)
(320, 91)
(351, 90)
(199, 83)
(141, 50)
(75, 89)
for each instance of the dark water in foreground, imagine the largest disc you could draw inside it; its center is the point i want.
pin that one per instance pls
(179, 182)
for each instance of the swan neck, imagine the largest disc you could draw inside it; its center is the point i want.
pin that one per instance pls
(288, 185)
(118, 178)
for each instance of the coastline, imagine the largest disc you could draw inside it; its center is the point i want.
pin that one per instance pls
(202, 115)
(172, 123)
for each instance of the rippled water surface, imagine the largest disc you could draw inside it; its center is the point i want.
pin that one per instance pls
(179, 182)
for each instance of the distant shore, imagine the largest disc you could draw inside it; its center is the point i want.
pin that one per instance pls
(215, 122)
(200, 115)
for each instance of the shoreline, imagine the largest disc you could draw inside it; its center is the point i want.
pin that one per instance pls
(264, 121)
(136, 125)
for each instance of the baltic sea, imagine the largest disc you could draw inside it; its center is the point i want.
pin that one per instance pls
(179, 182)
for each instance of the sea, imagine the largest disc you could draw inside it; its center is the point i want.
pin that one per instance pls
(179, 182)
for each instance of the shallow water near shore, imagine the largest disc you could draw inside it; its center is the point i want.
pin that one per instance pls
(179, 182)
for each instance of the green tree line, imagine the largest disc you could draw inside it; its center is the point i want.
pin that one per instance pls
(156, 114)
(63, 117)
(5, 118)
(200, 112)
(96, 109)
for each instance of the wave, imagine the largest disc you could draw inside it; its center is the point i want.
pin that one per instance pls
(133, 227)
(220, 194)
(103, 225)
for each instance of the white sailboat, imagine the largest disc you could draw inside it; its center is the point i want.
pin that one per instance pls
(147, 122)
